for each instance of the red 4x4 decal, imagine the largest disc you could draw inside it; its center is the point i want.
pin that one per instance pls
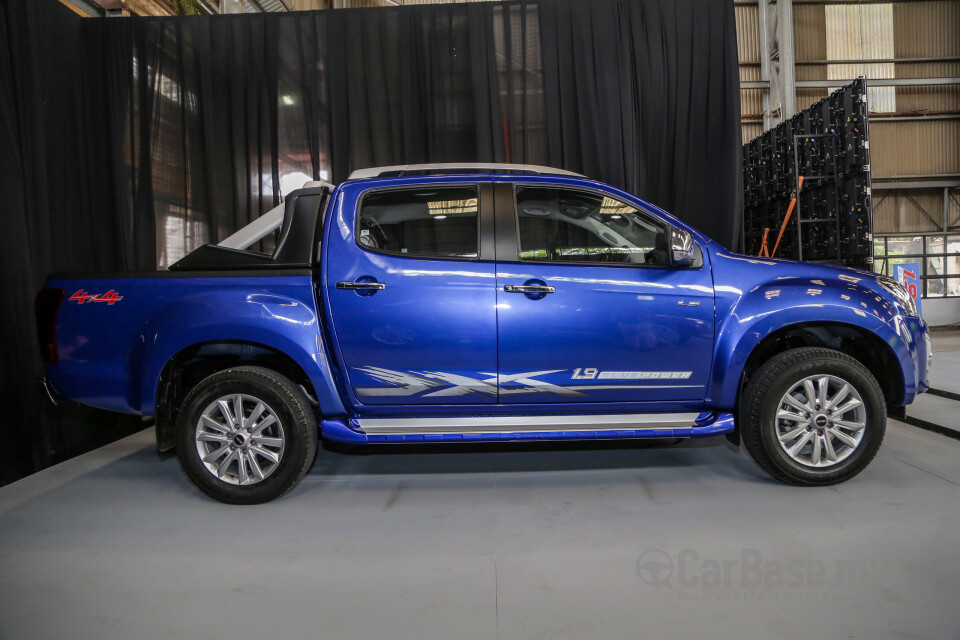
(109, 297)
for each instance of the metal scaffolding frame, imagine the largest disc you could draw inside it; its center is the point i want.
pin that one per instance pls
(779, 90)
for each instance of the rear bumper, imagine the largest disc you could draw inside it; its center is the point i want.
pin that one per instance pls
(49, 392)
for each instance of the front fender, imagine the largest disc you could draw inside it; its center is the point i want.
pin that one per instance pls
(753, 315)
(284, 319)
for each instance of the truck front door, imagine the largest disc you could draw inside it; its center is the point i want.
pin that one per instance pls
(590, 308)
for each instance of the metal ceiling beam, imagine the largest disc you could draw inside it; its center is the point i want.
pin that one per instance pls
(84, 7)
(874, 118)
(753, 3)
(872, 82)
(916, 184)
(877, 117)
(880, 82)
(754, 63)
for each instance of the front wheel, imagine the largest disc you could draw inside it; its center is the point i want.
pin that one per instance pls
(812, 416)
(246, 435)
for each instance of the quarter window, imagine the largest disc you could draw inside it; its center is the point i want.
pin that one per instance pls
(425, 222)
(567, 225)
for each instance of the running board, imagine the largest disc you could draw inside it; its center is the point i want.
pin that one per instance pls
(505, 428)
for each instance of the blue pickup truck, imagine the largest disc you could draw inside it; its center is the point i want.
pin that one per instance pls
(483, 303)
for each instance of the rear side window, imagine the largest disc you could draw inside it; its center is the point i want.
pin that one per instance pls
(569, 225)
(425, 222)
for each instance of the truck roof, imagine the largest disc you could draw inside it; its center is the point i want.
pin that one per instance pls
(454, 168)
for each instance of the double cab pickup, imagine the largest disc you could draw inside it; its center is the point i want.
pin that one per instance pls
(478, 303)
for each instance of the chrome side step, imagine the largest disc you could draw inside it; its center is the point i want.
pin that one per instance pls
(522, 424)
(506, 428)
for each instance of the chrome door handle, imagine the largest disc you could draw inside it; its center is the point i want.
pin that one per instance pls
(692, 303)
(362, 286)
(529, 288)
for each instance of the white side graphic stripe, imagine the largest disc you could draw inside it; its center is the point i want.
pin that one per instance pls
(443, 384)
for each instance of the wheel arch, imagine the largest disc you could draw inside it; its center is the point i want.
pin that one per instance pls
(860, 343)
(191, 364)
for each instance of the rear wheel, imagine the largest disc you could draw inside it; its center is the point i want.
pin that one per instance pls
(246, 435)
(812, 416)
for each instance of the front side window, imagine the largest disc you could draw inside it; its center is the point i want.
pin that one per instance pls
(425, 222)
(567, 225)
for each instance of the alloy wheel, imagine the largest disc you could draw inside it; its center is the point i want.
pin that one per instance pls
(240, 439)
(820, 421)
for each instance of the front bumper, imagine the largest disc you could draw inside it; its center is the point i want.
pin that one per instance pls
(921, 351)
(924, 380)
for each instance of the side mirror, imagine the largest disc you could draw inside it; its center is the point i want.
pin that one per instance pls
(684, 251)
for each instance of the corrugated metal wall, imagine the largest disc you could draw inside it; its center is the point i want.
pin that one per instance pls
(810, 45)
(346, 4)
(945, 98)
(862, 32)
(926, 29)
(914, 148)
(748, 50)
(923, 139)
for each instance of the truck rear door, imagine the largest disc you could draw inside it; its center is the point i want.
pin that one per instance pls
(410, 288)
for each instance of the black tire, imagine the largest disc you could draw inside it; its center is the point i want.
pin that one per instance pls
(760, 403)
(292, 412)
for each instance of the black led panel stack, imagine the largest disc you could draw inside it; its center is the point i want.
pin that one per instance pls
(828, 145)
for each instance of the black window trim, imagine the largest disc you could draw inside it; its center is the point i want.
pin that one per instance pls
(516, 222)
(484, 202)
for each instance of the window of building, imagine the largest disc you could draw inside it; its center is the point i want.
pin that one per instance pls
(424, 222)
(938, 256)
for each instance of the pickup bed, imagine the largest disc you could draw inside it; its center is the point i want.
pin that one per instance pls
(416, 304)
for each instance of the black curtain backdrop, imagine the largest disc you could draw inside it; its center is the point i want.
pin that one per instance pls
(126, 143)
(644, 95)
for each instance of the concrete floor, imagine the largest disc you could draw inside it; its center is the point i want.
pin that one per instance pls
(532, 542)
(945, 376)
(945, 373)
